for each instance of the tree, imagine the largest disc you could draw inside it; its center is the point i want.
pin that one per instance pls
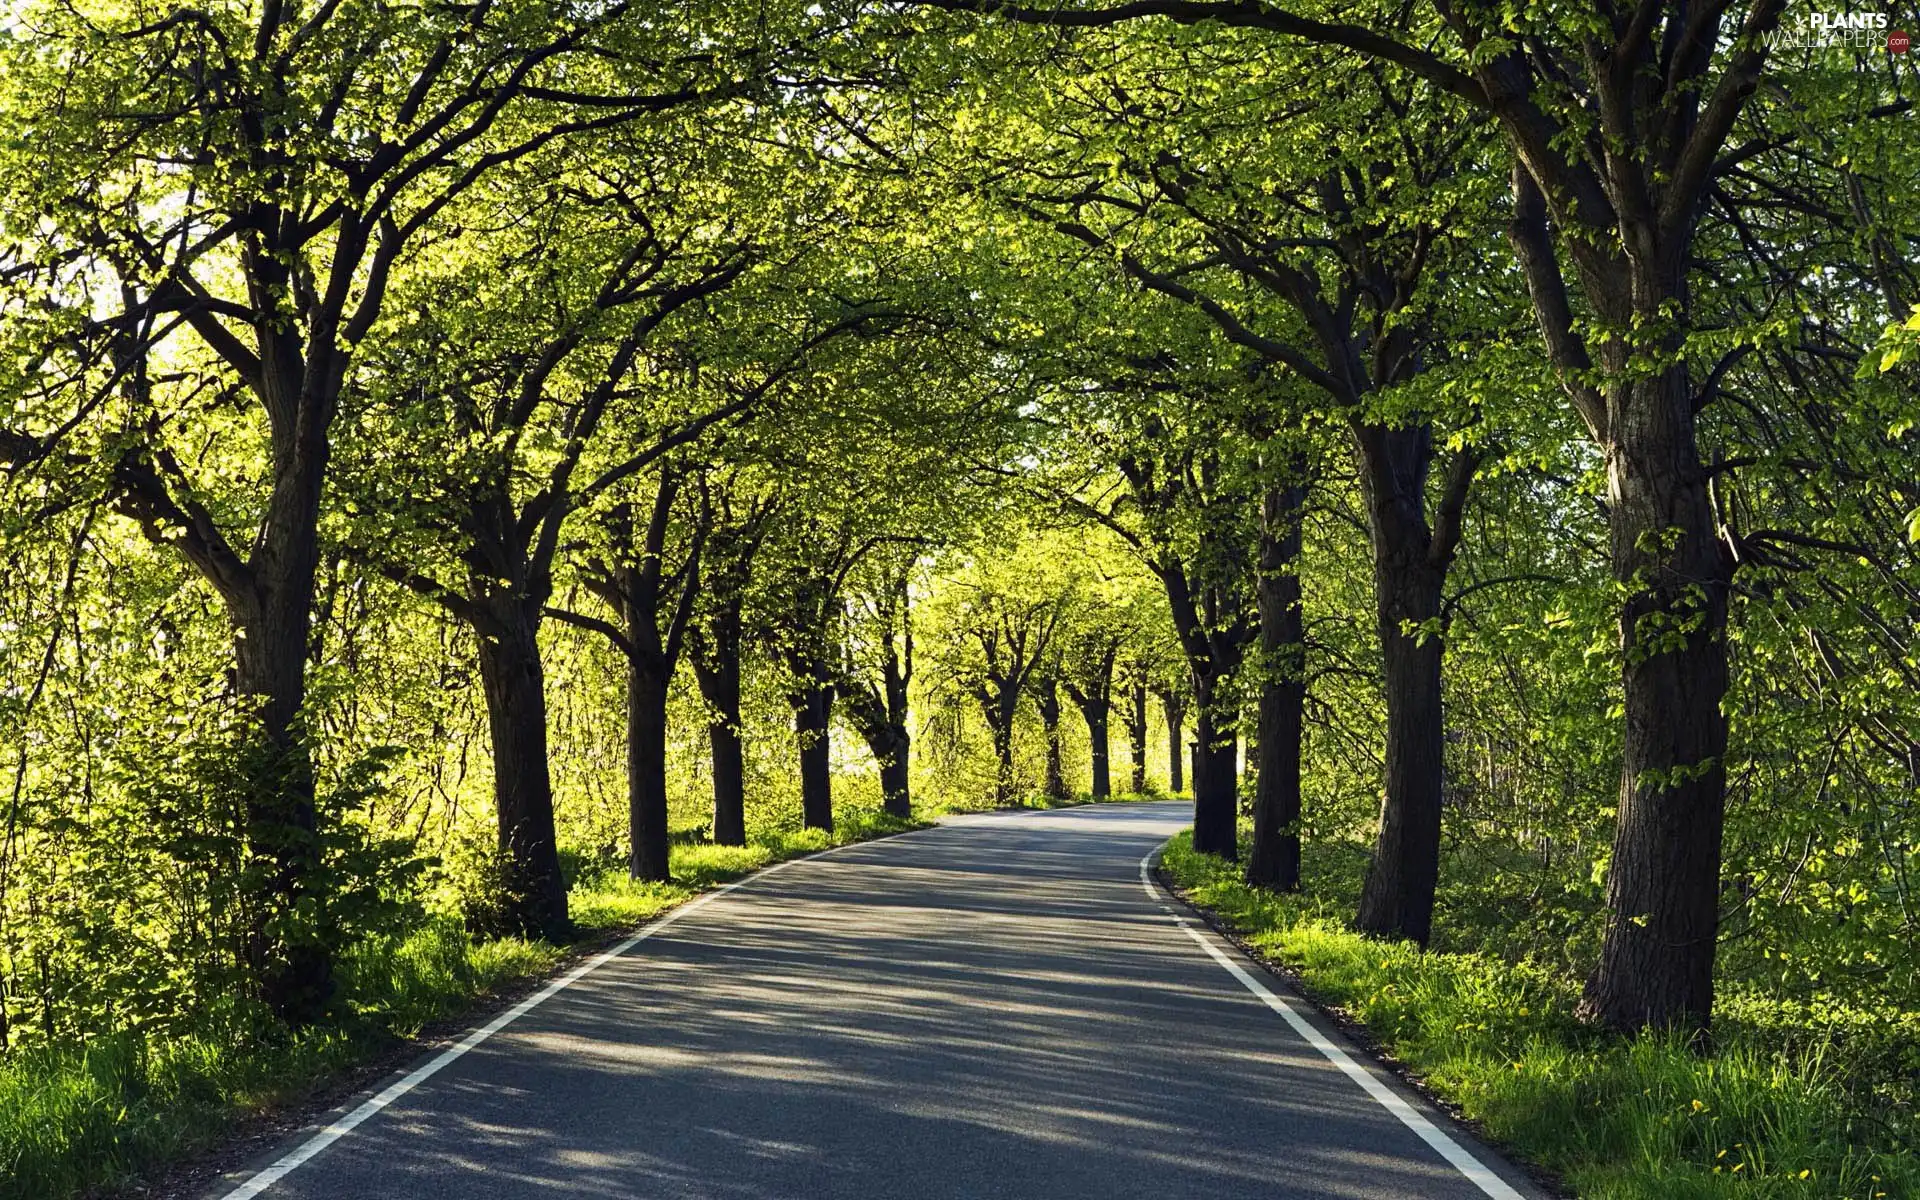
(516, 425)
(654, 605)
(297, 184)
(1565, 90)
(1046, 700)
(1133, 716)
(878, 674)
(999, 634)
(1089, 683)
(1173, 706)
(1274, 860)
(739, 520)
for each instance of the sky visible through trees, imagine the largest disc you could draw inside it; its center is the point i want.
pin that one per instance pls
(457, 460)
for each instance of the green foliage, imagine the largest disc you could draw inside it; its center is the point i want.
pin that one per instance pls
(926, 335)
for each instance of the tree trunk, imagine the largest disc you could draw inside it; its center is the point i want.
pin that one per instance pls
(647, 770)
(729, 782)
(515, 685)
(882, 725)
(1000, 716)
(716, 667)
(896, 795)
(1216, 801)
(1136, 723)
(1397, 901)
(1175, 709)
(1047, 699)
(1096, 715)
(1274, 861)
(892, 747)
(896, 769)
(294, 968)
(812, 722)
(1663, 887)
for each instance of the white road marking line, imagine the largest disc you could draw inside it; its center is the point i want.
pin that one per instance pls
(1449, 1149)
(268, 1176)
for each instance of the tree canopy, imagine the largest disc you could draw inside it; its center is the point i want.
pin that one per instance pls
(453, 455)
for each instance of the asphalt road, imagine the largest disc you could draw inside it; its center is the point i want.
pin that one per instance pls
(993, 1008)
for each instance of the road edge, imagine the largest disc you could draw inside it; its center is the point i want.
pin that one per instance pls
(225, 1167)
(1358, 1039)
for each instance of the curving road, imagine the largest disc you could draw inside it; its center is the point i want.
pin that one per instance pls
(993, 1008)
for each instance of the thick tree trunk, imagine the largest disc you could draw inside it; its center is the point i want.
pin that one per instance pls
(1097, 716)
(1136, 723)
(729, 781)
(896, 795)
(716, 663)
(1663, 887)
(515, 685)
(1047, 699)
(1397, 901)
(892, 747)
(270, 653)
(1000, 717)
(1274, 861)
(812, 724)
(1216, 801)
(647, 771)
(882, 725)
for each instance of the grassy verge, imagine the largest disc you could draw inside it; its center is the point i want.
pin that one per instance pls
(82, 1120)
(1765, 1116)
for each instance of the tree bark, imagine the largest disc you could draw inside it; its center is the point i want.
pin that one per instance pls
(729, 782)
(883, 726)
(269, 595)
(1397, 900)
(294, 966)
(1274, 860)
(812, 726)
(1663, 883)
(515, 686)
(1214, 630)
(716, 663)
(1135, 719)
(1663, 886)
(1174, 706)
(1095, 702)
(1097, 715)
(639, 587)
(1216, 799)
(647, 771)
(1000, 716)
(1046, 696)
(889, 741)
(896, 784)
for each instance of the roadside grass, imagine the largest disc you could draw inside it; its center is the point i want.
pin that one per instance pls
(89, 1119)
(1783, 1107)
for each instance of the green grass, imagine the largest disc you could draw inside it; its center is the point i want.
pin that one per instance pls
(86, 1119)
(1780, 1109)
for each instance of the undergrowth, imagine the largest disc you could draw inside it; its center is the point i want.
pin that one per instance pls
(1790, 1104)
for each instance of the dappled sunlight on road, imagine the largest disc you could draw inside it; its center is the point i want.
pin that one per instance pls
(993, 1008)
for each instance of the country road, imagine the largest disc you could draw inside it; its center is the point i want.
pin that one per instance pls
(993, 1008)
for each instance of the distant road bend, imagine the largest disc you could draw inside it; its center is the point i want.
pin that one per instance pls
(1000, 1007)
